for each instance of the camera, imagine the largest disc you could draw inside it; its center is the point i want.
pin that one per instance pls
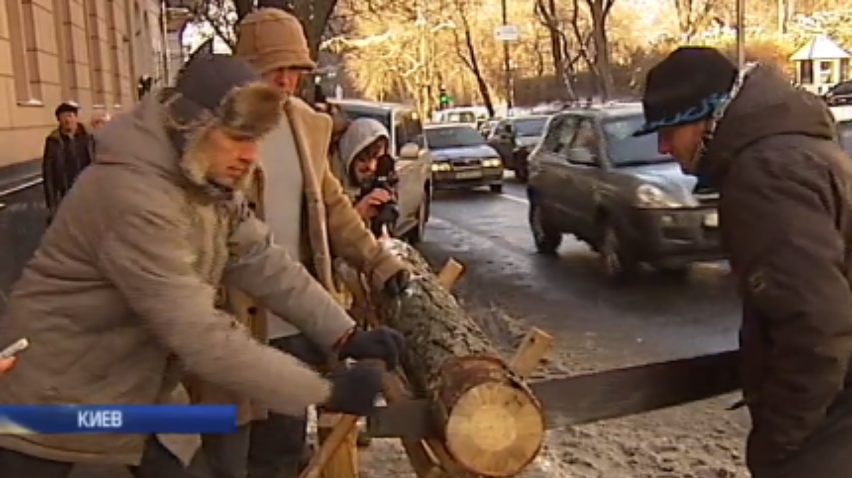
(387, 179)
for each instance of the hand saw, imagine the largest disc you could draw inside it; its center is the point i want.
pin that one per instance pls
(590, 397)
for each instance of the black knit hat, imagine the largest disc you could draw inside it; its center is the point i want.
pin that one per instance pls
(66, 107)
(685, 87)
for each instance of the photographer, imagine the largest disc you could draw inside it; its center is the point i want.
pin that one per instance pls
(361, 149)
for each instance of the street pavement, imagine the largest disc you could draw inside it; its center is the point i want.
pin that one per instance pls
(656, 317)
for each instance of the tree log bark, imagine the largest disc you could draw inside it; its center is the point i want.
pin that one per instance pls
(492, 424)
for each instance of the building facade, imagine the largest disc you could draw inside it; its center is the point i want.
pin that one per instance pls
(91, 52)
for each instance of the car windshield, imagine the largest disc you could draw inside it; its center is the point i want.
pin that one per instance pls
(626, 150)
(845, 128)
(462, 117)
(453, 137)
(355, 113)
(530, 126)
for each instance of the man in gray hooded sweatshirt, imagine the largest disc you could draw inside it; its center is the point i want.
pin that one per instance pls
(359, 149)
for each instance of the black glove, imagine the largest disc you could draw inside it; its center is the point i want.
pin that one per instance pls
(354, 390)
(382, 343)
(397, 283)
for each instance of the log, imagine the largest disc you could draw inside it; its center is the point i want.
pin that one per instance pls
(491, 424)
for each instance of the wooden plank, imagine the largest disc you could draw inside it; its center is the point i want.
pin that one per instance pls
(450, 273)
(533, 349)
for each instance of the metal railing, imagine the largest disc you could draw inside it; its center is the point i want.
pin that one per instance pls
(23, 218)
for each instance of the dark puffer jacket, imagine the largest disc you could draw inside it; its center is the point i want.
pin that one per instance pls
(786, 221)
(65, 157)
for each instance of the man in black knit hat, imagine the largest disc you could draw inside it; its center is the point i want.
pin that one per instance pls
(68, 150)
(118, 302)
(786, 222)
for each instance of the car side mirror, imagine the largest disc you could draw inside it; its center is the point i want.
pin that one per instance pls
(409, 151)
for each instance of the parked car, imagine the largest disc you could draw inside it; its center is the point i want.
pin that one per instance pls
(844, 128)
(414, 161)
(462, 158)
(468, 115)
(839, 94)
(514, 138)
(591, 178)
(487, 126)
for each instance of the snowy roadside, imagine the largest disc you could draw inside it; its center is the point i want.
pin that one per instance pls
(702, 440)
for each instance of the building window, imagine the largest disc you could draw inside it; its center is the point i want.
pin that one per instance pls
(65, 49)
(114, 53)
(96, 65)
(22, 40)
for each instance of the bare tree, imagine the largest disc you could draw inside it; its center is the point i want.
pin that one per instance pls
(599, 11)
(564, 60)
(693, 15)
(466, 51)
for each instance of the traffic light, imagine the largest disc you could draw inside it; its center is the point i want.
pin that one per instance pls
(445, 98)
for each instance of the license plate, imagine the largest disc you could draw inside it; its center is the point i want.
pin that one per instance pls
(468, 174)
(711, 220)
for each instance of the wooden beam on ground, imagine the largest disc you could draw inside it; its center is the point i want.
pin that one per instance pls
(450, 273)
(533, 349)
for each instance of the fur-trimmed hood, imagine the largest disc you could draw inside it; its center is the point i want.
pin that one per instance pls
(159, 137)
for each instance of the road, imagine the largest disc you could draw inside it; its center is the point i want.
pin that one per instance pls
(568, 295)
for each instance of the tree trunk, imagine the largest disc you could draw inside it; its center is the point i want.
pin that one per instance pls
(492, 424)
(600, 12)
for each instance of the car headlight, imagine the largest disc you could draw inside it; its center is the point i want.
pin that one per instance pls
(650, 196)
(442, 166)
(492, 163)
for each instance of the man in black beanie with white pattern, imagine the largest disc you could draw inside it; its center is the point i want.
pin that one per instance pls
(786, 221)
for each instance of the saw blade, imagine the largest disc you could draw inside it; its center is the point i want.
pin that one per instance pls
(591, 397)
(629, 391)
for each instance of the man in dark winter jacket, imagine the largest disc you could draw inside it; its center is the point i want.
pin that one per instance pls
(786, 222)
(67, 151)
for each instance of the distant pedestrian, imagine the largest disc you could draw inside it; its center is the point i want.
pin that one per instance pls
(786, 222)
(100, 120)
(68, 149)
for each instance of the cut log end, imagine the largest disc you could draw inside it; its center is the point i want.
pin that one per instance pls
(494, 426)
(495, 430)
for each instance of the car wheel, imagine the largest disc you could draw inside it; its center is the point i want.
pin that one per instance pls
(615, 261)
(496, 188)
(547, 239)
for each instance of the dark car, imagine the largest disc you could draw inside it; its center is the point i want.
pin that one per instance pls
(844, 128)
(591, 178)
(462, 159)
(839, 94)
(514, 138)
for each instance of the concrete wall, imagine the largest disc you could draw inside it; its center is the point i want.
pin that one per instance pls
(88, 51)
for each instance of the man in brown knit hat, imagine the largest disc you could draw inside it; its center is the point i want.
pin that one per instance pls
(310, 216)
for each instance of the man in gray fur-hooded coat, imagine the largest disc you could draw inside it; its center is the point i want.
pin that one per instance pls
(118, 301)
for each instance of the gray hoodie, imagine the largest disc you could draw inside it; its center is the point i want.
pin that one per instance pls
(360, 134)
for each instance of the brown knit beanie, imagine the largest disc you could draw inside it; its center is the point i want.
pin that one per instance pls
(270, 38)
